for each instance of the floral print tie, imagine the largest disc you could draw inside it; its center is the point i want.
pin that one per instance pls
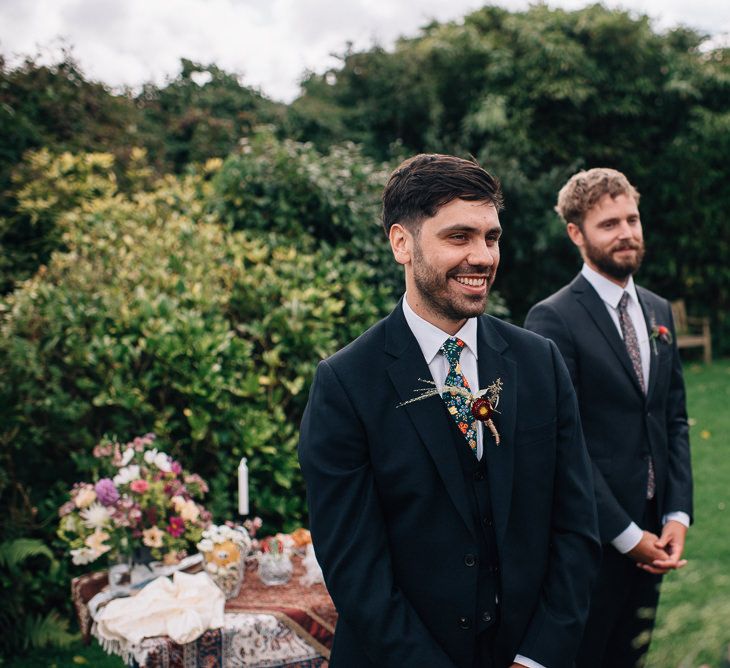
(457, 405)
(631, 342)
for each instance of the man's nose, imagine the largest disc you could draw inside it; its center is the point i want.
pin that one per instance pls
(624, 230)
(479, 254)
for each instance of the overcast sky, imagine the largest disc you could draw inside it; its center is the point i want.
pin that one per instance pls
(270, 42)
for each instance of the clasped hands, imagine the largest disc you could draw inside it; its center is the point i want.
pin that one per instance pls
(661, 554)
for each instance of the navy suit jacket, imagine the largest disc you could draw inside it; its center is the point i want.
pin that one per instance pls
(622, 426)
(390, 517)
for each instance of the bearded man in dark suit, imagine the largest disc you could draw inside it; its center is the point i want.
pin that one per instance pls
(617, 341)
(455, 526)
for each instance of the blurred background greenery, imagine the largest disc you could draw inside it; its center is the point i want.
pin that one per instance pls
(178, 259)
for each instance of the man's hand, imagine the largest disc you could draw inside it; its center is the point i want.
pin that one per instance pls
(647, 552)
(672, 542)
(660, 555)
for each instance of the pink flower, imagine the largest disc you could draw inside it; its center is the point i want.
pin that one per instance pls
(139, 486)
(176, 468)
(176, 528)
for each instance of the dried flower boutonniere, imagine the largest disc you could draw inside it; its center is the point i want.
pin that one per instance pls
(483, 403)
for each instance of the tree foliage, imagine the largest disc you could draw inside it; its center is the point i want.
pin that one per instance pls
(537, 95)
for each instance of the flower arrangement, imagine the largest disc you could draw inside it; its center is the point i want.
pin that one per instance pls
(142, 499)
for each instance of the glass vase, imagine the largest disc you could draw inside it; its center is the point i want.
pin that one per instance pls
(120, 574)
(226, 565)
(275, 568)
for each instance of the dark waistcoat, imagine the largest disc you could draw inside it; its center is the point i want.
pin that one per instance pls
(486, 561)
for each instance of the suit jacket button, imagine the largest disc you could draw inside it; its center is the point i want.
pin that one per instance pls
(479, 475)
(486, 617)
(470, 559)
(464, 623)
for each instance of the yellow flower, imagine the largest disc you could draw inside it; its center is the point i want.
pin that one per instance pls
(179, 503)
(85, 497)
(96, 541)
(452, 410)
(152, 537)
(189, 512)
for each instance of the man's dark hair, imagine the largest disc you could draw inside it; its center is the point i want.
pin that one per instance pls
(421, 185)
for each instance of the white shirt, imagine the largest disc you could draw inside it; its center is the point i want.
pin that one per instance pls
(430, 339)
(611, 293)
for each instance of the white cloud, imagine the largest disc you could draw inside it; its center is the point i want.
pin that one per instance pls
(270, 42)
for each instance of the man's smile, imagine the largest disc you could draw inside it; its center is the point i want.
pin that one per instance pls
(472, 281)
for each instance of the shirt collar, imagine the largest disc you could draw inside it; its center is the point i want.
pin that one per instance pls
(607, 290)
(430, 338)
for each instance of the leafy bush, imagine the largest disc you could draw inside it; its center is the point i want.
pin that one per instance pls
(151, 321)
(157, 317)
(291, 189)
(22, 591)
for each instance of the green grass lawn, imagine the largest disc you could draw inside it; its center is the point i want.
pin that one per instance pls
(693, 626)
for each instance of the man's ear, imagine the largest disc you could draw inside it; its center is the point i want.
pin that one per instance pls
(576, 235)
(401, 243)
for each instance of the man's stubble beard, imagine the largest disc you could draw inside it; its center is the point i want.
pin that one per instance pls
(434, 289)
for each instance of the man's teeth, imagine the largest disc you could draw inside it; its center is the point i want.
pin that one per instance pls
(474, 282)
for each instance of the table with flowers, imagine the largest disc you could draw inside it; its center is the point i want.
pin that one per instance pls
(286, 626)
(245, 606)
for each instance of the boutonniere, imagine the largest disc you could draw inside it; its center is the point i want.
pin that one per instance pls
(482, 403)
(659, 333)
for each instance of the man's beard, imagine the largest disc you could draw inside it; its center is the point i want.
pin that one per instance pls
(605, 261)
(434, 289)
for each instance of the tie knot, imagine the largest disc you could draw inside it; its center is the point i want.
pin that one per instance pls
(623, 302)
(451, 348)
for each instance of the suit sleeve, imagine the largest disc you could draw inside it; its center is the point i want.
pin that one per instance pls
(547, 321)
(678, 495)
(349, 534)
(556, 627)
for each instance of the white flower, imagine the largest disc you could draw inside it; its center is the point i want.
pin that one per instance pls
(126, 475)
(84, 555)
(159, 459)
(211, 567)
(95, 516)
(162, 462)
(205, 545)
(127, 456)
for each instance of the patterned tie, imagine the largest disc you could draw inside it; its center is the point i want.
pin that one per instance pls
(631, 342)
(457, 405)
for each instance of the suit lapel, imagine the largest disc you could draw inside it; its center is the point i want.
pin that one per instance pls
(589, 299)
(500, 458)
(649, 317)
(429, 416)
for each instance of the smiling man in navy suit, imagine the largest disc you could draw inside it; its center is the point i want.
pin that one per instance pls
(617, 341)
(455, 527)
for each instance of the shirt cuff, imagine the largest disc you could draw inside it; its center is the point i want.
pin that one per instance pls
(527, 662)
(628, 539)
(678, 516)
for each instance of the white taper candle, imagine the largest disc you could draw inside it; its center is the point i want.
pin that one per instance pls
(243, 487)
